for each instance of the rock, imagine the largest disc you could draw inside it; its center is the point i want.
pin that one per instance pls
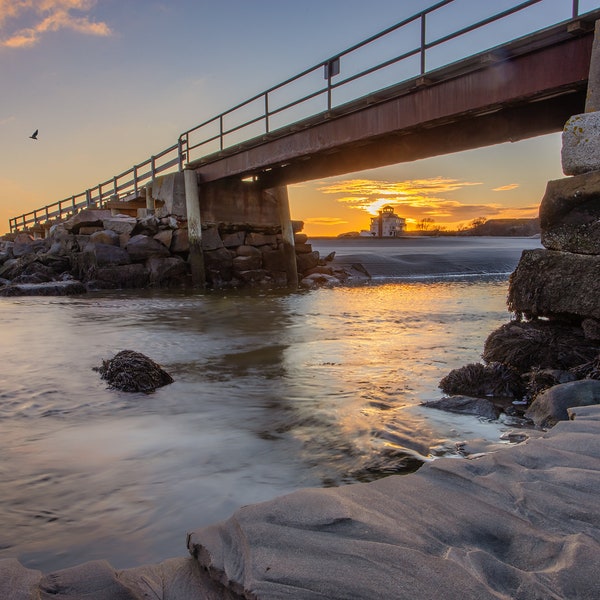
(165, 237)
(253, 276)
(180, 243)
(317, 280)
(551, 405)
(120, 224)
(300, 238)
(148, 225)
(25, 244)
(89, 230)
(17, 582)
(303, 248)
(274, 260)
(235, 239)
(88, 217)
(548, 283)
(34, 272)
(581, 144)
(131, 371)
(591, 329)
(51, 288)
(119, 277)
(481, 381)
(539, 344)
(247, 263)
(219, 261)
(307, 261)
(466, 405)
(102, 255)
(166, 272)
(254, 238)
(248, 251)
(141, 247)
(105, 236)
(211, 240)
(570, 214)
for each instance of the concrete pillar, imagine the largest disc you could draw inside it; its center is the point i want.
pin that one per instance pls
(592, 101)
(192, 203)
(287, 233)
(149, 200)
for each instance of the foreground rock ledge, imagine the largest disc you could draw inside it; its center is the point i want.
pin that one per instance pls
(521, 523)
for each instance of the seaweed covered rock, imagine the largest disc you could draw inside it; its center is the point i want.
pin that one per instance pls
(481, 381)
(524, 345)
(131, 371)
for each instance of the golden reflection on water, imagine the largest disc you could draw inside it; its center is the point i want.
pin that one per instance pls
(272, 392)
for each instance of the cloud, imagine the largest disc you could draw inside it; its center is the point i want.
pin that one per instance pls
(415, 197)
(330, 221)
(7, 120)
(23, 22)
(506, 188)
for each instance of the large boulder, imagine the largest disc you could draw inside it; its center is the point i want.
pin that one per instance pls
(307, 261)
(211, 240)
(548, 283)
(105, 236)
(551, 405)
(119, 277)
(89, 217)
(570, 214)
(580, 144)
(466, 405)
(120, 224)
(141, 247)
(166, 272)
(102, 255)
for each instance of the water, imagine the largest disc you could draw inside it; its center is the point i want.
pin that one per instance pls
(272, 392)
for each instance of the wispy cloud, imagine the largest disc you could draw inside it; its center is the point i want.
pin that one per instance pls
(24, 22)
(330, 221)
(416, 197)
(506, 188)
(7, 120)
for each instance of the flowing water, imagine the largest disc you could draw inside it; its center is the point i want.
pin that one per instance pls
(272, 392)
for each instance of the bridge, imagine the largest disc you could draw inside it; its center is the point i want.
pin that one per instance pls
(340, 116)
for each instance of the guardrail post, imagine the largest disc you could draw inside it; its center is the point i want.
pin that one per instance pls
(266, 112)
(221, 131)
(423, 42)
(135, 181)
(194, 224)
(88, 198)
(575, 8)
(153, 166)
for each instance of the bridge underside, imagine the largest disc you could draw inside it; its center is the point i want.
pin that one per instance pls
(488, 99)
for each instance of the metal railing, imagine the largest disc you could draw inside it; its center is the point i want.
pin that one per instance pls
(275, 111)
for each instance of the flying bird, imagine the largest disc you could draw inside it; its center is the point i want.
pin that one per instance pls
(33, 136)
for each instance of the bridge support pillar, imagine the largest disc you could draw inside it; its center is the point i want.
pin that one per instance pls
(280, 195)
(194, 224)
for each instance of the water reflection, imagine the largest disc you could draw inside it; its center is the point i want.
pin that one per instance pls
(272, 392)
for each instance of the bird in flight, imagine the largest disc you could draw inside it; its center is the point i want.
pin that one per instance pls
(33, 136)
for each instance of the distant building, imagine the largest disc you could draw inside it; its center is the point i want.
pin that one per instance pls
(386, 224)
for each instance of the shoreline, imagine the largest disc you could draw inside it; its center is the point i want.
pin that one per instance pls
(521, 522)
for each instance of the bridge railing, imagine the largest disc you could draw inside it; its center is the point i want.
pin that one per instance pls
(313, 93)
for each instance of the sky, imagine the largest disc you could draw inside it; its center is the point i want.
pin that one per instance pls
(109, 83)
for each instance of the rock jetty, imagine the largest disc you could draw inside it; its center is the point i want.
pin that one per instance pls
(96, 250)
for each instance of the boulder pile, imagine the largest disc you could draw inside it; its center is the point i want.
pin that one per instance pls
(96, 250)
(553, 342)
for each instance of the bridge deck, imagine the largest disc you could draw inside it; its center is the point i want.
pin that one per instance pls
(526, 88)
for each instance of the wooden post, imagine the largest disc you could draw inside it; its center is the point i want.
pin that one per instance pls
(592, 101)
(192, 204)
(287, 233)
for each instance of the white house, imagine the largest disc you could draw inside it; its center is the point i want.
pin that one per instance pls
(386, 224)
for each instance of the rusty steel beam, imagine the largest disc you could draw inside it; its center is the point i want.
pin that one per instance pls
(501, 100)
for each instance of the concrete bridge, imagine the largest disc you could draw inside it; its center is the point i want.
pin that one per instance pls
(234, 168)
